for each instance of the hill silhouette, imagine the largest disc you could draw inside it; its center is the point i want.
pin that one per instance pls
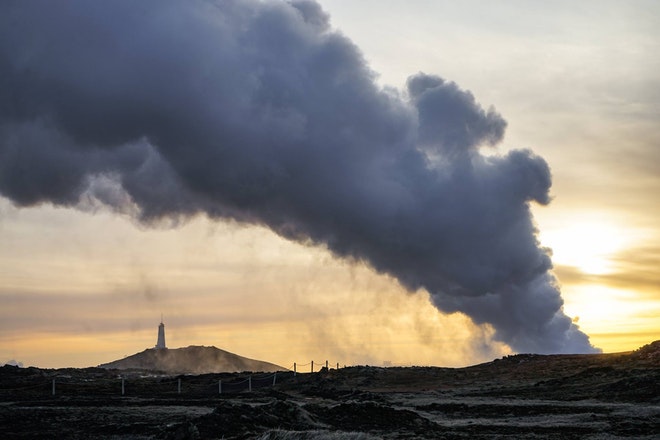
(191, 360)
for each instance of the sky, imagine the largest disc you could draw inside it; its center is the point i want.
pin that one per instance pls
(365, 184)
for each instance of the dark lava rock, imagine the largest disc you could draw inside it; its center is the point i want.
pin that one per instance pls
(242, 421)
(524, 396)
(372, 417)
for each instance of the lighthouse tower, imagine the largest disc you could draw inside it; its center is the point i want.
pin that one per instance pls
(161, 335)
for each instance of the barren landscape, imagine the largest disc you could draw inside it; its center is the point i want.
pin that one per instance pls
(600, 396)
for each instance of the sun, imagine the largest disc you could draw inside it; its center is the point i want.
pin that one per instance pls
(588, 244)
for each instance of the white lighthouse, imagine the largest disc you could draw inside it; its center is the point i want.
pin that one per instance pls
(161, 335)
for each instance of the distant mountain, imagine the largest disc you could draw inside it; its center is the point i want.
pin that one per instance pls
(191, 360)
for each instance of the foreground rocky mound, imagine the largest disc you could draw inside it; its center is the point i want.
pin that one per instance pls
(190, 360)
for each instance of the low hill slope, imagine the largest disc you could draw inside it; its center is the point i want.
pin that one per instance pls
(191, 360)
(618, 377)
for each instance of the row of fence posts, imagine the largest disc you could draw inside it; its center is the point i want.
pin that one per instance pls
(295, 371)
(178, 388)
(295, 367)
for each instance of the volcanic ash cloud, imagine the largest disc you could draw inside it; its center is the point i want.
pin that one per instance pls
(260, 112)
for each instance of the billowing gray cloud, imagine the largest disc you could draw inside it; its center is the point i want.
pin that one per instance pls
(260, 112)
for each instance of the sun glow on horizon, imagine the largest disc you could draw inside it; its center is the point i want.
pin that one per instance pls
(597, 247)
(608, 314)
(588, 244)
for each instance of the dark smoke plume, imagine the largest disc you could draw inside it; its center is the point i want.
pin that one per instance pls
(260, 112)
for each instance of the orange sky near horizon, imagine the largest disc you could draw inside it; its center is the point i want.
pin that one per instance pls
(248, 291)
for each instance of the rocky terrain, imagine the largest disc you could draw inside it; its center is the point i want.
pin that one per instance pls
(604, 396)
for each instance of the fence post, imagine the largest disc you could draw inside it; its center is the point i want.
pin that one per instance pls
(294, 369)
(122, 386)
(326, 364)
(179, 386)
(312, 366)
(274, 377)
(249, 383)
(53, 387)
(220, 386)
(338, 365)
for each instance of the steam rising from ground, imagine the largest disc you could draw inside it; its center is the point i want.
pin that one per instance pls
(261, 113)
